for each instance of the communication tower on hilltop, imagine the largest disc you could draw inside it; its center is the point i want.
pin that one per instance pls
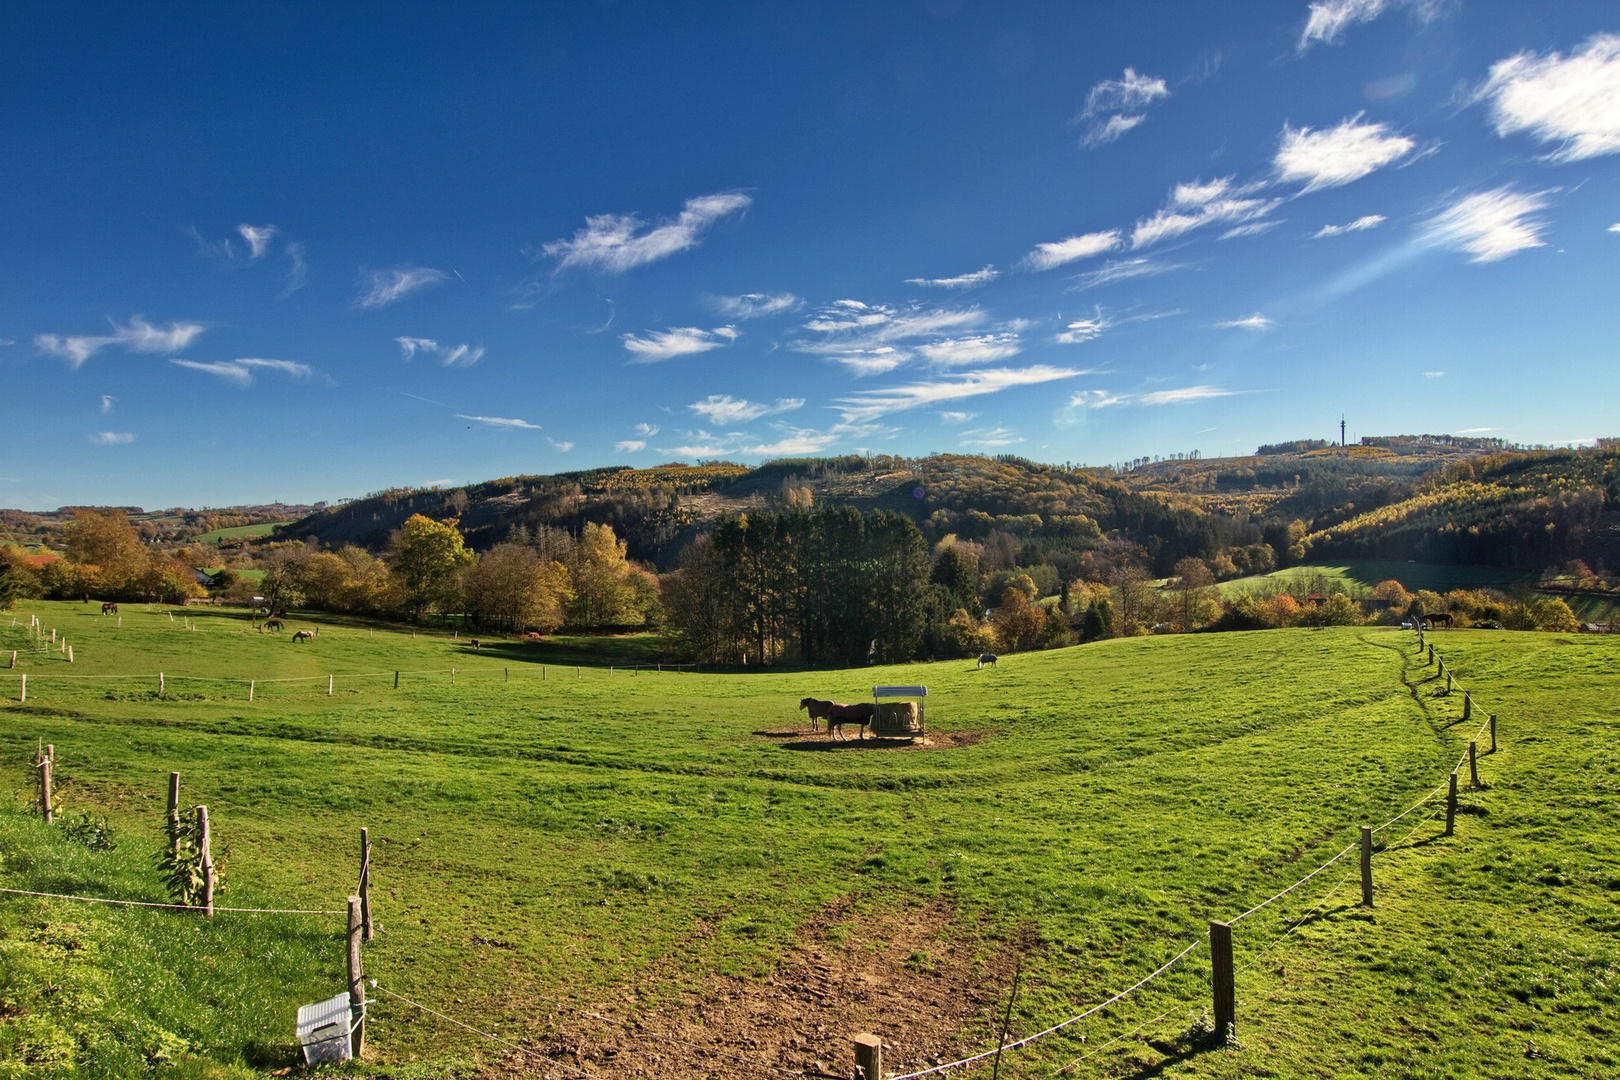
(1341, 429)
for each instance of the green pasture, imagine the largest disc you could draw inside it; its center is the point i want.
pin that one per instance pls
(611, 841)
(1365, 574)
(238, 532)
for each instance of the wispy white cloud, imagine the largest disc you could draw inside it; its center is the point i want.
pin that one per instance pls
(559, 445)
(241, 371)
(725, 409)
(1252, 229)
(979, 349)
(1361, 224)
(1490, 225)
(1058, 252)
(299, 271)
(1434, 374)
(1615, 228)
(1474, 430)
(630, 446)
(755, 305)
(1329, 19)
(1083, 330)
(870, 404)
(500, 422)
(1573, 101)
(1195, 205)
(620, 242)
(1183, 395)
(794, 442)
(1338, 155)
(107, 403)
(384, 287)
(678, 341)
(1256, 321)
(448, 355)
(1123, 270)
(257, 237)
(1097, 399)
(955, 417)
(870, 339)
(112, 438)
(137, 335)
(1115, 106)
(647, 430)
(990, 438)
(960, 281)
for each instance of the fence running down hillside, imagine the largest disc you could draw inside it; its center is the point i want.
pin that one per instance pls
(868, 1049)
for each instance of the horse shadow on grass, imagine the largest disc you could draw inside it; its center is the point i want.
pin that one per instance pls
(813, 743)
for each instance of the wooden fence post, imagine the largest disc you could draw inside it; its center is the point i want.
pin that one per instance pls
(204, 846)
(506, 674)
(452, 676)
(868, 1057)
(542, 673)
(365, 881)
(45, 784)
(22, 687)
(329, 686)
(174, 813)
(1366, 866)
(357, 986)
(160, 684)
(396, 680)
(1220, 951)
(1451, 806)
(250, 689)
(1493, 733)
(1473, 763)
(1448, 682)
(1431, 654)
(1468, 705)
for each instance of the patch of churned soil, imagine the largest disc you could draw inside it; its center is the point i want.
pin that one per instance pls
(798, 738)
(911, 975)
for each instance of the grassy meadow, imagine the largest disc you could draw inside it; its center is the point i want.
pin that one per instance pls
(1366, 573)
(654, 847)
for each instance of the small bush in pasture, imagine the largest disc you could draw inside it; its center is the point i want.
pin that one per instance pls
(93, 833)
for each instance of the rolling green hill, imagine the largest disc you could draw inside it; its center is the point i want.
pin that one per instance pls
(665, 874)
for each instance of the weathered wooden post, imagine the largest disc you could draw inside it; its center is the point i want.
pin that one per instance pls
(160, 684)
(542, 673)
(357, 986)
(13, 657)
(1493, 733)
(1220, 951)
(45, 783)
(452, 676)
(174, 813)
(1451, 806)
(22, 687)
(70, 654)
(1448, 681)
(1473, 763)
(396, 680)
(204, 847)
(1431, 654)
(1366, 866)
(506, 674)
(329, 686)
(868, 1057)
(250, 689)
(365, 881)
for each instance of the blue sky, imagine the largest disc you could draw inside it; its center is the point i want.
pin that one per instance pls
(304, 252)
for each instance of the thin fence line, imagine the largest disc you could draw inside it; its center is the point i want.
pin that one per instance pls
(1295, 885)
(1298, 923)
(492, 1038)
(1411, 808)
(1117, 1038)
(178, 907)
(1057, 1027)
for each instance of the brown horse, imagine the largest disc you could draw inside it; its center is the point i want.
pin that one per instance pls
(304, 635)
(840, 715)
(109, 608)
(818, 709)
(270, 624)
(1439, 618)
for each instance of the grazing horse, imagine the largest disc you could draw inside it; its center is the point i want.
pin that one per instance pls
(987, 658)
(476, 643)
(271, 624)
(839, 715)
(819, 710)
(1439, 618)
(304, 635)
(109, 608)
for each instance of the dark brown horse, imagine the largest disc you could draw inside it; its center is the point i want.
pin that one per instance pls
(1438, 618)
(109, 608)
(839, 715)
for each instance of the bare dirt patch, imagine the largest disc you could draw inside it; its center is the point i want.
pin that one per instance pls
(913, 975)
(800, 739)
